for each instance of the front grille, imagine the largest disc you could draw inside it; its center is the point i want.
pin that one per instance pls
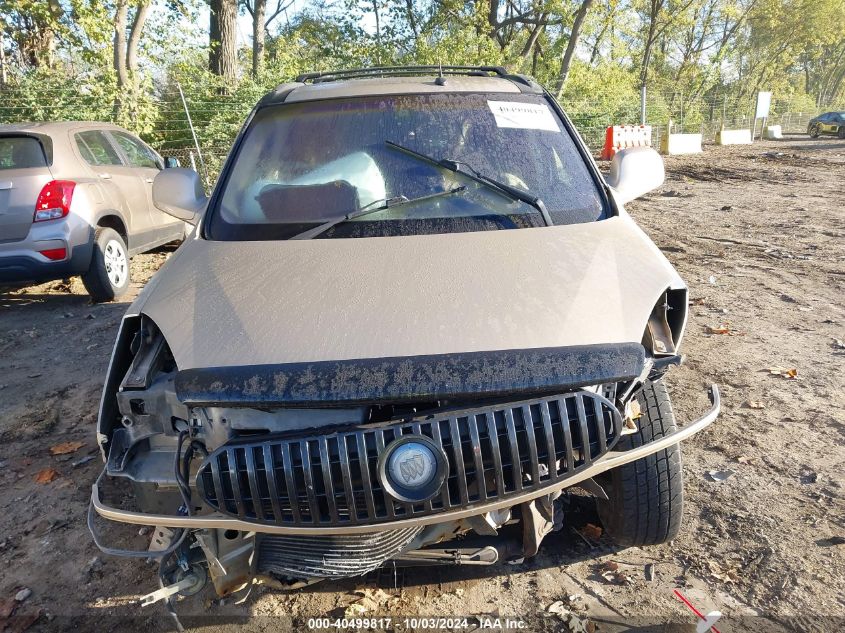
(331, 556)
(493, 453)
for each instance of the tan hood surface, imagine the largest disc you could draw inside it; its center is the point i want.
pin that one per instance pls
(255, 303)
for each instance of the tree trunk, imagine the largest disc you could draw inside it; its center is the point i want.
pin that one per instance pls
(132, 56)
(649, 43)
(2, 56)
(119, 59)
(258, 15)
(135, 37)
(528, 49)
(412, 19)
(223, 34)
(119, 55)
(566, 63)
(378, 32)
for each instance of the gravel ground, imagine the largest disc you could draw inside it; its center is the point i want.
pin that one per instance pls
(756, 231)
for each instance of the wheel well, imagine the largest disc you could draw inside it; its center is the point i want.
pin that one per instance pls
(114, 222)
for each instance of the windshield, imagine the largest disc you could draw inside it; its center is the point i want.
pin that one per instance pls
(303, 165)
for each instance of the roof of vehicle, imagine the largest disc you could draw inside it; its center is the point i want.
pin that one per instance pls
(400, 80)
(48, 127)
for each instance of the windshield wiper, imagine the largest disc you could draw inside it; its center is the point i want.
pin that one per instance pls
(455, 166)
(387, 203)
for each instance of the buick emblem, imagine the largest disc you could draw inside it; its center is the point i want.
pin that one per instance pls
(412, 468)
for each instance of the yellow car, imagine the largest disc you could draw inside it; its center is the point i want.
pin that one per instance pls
(827, 123)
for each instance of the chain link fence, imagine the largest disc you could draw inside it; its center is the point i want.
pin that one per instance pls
(163, 122)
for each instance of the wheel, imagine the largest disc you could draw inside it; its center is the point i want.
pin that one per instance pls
(108, 276)
(814, 131)
(841, 132)
(645, 497)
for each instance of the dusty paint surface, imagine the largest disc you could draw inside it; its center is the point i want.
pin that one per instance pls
(241, 303)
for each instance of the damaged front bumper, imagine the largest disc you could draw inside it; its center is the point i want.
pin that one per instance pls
(533, 486)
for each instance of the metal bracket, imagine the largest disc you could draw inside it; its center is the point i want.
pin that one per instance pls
(188, 582)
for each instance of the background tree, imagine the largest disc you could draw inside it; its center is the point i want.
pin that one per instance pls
(223, 39)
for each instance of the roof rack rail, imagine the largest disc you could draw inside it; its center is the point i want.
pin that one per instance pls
(396, 71)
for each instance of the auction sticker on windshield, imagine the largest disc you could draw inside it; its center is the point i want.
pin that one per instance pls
(526, 116)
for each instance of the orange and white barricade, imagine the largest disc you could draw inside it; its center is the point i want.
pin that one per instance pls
(618, 137)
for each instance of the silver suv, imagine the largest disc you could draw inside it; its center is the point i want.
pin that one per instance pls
(76, 199)
(413, 319)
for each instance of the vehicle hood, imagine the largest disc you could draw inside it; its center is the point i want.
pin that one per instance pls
(254, 303)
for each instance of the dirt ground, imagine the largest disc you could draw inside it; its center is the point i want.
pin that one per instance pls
(756, 231)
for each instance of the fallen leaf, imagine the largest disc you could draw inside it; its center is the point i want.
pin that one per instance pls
(727, 575)
(46, 476)
(591, 531)
(755, 404)
(66, 447)
(609, 566)
(742, 459)
(717, 330)
(783, 371)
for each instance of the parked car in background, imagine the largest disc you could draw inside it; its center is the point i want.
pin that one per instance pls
(76, 199)
(413, 317)
(832, 123)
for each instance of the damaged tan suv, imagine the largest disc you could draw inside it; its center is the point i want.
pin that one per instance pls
(413, 318)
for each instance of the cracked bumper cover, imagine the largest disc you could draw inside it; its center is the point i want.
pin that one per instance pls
(608, 461)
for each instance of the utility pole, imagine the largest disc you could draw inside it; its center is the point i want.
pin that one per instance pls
(642, 104)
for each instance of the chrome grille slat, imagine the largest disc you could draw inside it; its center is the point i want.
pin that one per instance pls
(550, 440)
(493, 434)
(478, 459)
(528, 425)
(234, 477)
(311, 494)
(585, 433)
(328, 484)
(563, 414)
(388, 502)
(252, 476)
(293, 497)
(438, 439)
(272, 484)
(460, 470)
(516, 464)
(343, 454)
(493, 452)
(365, 475)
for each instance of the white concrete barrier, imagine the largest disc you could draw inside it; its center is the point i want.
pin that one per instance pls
(733, 137)
(680, 144)
(773, 132)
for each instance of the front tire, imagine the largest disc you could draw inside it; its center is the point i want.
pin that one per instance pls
(814, 131)
(108, 276)
(645, 497)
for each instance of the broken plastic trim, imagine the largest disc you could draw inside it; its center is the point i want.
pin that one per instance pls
(609, 461)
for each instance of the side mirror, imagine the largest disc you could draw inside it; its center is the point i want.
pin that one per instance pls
(170, 162)
(635, 171)
(178, 192)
